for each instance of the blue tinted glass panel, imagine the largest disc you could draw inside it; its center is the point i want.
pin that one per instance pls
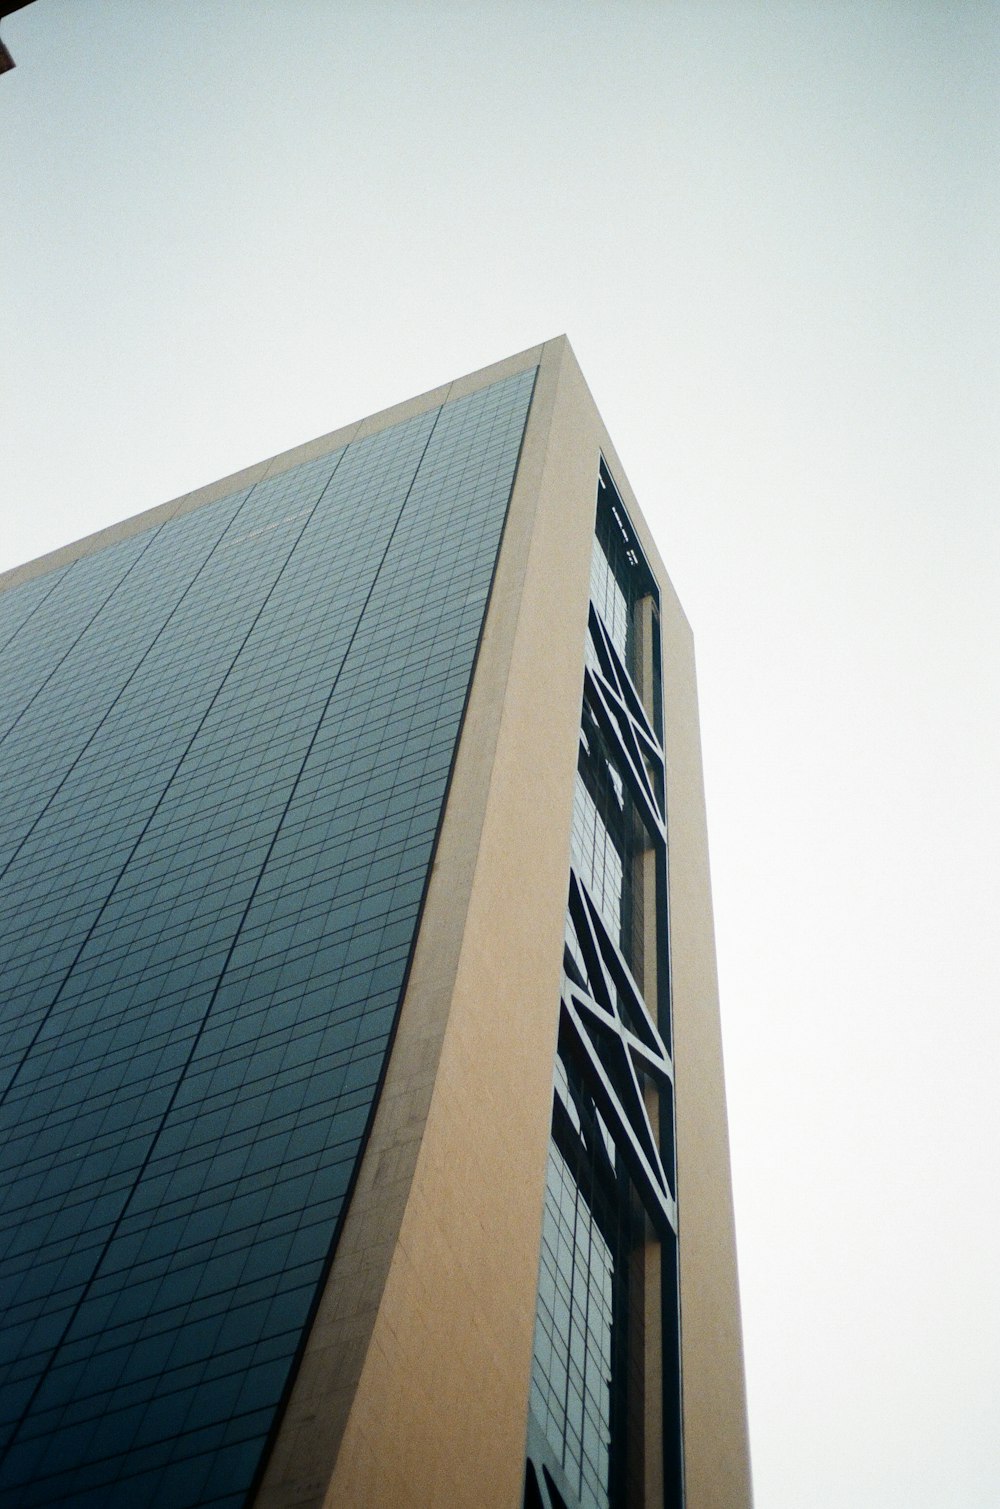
(219, 803)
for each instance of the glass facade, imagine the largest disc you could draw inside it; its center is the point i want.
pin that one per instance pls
(224, 747)
(609, 1198)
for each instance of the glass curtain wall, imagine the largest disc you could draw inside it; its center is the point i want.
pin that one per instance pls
(225, 743)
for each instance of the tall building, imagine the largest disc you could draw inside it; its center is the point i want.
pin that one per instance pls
(7, 8)
(363, 1126)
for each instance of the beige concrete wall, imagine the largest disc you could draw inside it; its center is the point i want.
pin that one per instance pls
(414, 1387)
(449, 1199)
(716, 1447)
(716, 1440)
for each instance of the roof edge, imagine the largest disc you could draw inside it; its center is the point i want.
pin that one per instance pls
(212, 492)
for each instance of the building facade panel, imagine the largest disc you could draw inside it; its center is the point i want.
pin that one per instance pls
(246, 808)
(354, 942)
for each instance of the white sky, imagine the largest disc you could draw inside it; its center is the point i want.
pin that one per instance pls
(771, 234)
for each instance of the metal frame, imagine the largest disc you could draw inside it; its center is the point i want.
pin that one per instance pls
(611, 1055)
(617, 708)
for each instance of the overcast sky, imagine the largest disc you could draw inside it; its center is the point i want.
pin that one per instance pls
(771, 234)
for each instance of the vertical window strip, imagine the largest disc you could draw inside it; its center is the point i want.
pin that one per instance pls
(580, 1322)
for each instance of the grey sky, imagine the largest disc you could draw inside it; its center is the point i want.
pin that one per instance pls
(771, 234)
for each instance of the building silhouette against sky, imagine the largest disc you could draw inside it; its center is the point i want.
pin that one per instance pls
(363, 1124)
(7, 8)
